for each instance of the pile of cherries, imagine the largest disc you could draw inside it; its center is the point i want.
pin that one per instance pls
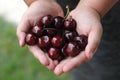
(57, 37)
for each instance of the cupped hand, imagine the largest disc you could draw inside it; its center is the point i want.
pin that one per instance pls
(88, 23)
(33, 14)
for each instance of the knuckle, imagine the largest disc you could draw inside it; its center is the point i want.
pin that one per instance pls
(88, 57)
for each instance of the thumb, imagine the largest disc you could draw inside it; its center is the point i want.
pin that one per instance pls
(22, 29)
(21, 38)
(94, 39)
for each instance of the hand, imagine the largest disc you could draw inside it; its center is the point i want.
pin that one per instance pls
(36, 10)
(88, 23)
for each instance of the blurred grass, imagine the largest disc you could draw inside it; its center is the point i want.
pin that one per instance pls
(18, 63)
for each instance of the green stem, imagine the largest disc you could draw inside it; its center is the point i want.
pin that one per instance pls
(49, 28)
(68, 11)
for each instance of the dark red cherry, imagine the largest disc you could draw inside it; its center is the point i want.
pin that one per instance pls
(58, 22)
(61, 57)
(68, 36)
(70, 24)
(82, 40)
(30, 39)
(72, 49)
(53, 53)
(47, 20)
(63, 51)
(37, 30)
(44, 41)
(50, 32)
(57, 41)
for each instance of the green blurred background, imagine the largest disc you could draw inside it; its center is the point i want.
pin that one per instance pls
(18, 63)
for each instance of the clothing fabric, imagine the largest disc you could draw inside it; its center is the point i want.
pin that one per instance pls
(105, 64)
(72, 4)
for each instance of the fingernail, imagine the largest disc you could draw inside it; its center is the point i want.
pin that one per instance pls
(65, 69)
(89, 56)
(58, 71)
(21, 43)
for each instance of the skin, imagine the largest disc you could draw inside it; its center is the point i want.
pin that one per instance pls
(88, 14)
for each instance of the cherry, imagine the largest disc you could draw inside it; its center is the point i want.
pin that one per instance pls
(72, 49)
(53, 53)
(44, 41)
(57, 41)
(50, 32)
(70, 24)
(30, 39)
(58, 22)
(68, 35)
(61, 57)
(81, 40)
(46, 20)
(37, 30)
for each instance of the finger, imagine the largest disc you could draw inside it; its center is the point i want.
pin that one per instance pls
(74, 62)
(22, 28)
(52, 64)
(56, 62)
(93, 41)
(39, 54)
(21, 38)
(59, 68)
(60, 14)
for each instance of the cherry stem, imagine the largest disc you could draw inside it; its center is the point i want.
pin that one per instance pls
(68, 11)
(49, 28)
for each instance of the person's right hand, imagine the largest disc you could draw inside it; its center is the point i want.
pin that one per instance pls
(88, 23)
(36, 10)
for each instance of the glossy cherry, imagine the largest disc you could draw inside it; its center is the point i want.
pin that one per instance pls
(62, 55)
(53, 53)
(37, 30)
(58, 22)
(47, 20)
(57, 41)
(68, 36)
(72, 49)
(82, 40)
(30, 39)
(70, 24)
(44, 42)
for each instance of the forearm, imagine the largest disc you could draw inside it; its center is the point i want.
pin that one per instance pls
(101, 6)
(29, 2)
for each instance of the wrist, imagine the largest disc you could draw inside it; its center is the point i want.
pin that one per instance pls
(85, 10)
(100, 6)
(29, 2)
